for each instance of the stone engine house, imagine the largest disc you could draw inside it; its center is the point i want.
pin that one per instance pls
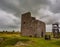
(32, 27)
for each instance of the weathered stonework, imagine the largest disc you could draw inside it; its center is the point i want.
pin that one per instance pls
(32, 27)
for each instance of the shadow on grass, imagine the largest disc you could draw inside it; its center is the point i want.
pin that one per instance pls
(12, 41)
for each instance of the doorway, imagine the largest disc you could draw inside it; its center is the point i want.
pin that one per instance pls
(42, 34)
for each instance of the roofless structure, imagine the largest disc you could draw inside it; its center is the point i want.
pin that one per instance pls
(32, 27)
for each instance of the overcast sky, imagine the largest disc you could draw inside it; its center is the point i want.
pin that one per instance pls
(47, 11)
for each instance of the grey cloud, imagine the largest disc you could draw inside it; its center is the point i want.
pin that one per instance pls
(17, 7)
(47, 16)
(8, 21)
(9, 7)
(55, 8)
(23, 5)
(32, 5)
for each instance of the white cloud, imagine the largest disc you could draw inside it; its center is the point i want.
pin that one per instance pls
(44, 14)
(8, 20)
(52, 1)
(49, 28)
(47, 16)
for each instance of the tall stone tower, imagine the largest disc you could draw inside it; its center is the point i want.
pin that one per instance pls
(25, 24)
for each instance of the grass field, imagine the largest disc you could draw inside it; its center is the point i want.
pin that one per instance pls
(16, 40)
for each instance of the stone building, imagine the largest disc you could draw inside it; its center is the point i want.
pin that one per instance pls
(32, 27)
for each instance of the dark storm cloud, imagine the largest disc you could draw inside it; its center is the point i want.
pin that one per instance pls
(32, 5)
(8, 6)
(19, 6)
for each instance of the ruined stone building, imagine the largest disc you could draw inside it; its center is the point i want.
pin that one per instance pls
(32, 27)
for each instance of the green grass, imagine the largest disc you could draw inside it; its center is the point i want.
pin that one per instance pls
(10, 40)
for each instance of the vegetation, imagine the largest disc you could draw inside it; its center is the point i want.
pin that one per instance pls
(16, 40)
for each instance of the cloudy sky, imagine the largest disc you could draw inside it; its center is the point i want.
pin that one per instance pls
(44, 10)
